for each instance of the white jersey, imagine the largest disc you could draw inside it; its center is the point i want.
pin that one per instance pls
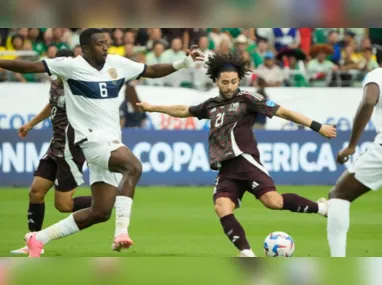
(91, 96)
(375, 76)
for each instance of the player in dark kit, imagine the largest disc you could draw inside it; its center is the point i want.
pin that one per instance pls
(233, 147)
(61, 166)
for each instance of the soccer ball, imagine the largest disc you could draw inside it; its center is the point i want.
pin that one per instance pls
(278, 244)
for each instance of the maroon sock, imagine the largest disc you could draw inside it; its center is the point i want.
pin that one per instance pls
(81, 202)
(295, 203)
(36, 214)
(235, 232)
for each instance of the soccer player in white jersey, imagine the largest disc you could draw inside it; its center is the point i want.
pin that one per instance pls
(365, 174)
(92, 83)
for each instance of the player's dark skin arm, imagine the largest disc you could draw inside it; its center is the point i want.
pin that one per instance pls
(178, 111)
(23, 66)
(364, 112)
(158, 70)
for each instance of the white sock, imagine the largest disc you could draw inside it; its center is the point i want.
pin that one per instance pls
(247, 253)
(322, 209)
(61, 229)
(338, 226)
(122, 214)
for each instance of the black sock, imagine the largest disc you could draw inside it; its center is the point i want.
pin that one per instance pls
(36, 214)
(295, 203)
(81, 202)
(235, 232)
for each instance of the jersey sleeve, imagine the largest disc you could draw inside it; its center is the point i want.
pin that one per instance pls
(374, 76)
(257, 103)
(132, 69)
(60, 67)
(199, 111)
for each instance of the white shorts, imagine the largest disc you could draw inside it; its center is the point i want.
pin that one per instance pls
(368, 167)
(97, 154)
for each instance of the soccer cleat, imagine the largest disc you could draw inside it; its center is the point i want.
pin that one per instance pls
(121, 241)
(35, 247)
(324, 202)
(247, 253)
(23, 250)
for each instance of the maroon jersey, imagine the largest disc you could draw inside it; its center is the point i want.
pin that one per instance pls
(59, 119)
(231, 132)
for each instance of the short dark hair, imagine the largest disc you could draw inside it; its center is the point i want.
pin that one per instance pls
(64, 53)
(219, 63)
(86, 35)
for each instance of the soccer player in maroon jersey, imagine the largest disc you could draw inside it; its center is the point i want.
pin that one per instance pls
(233, 148)
(61, 166)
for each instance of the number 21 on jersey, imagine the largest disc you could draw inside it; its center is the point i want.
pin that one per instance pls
(219, 120)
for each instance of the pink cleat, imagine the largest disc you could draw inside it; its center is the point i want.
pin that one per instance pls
(121, 241)
(35, 247)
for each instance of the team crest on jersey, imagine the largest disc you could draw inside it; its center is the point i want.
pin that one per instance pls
(113, 73)
(61, 102)
(213, 110)
(234, 106)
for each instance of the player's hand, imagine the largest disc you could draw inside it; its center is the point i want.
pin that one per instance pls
(196, 56)
(23, 130)
(145, 106)
(328, 131)
(343, 155)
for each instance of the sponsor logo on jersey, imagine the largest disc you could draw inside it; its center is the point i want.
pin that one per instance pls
(113, 73)
(270, 103)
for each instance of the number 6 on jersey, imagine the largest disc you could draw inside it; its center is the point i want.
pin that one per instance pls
(103, 89)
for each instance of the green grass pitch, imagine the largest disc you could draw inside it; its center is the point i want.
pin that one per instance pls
(180, 222)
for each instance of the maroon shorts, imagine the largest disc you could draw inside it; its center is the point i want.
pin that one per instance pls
(232, 184)
(65, 171)
(65, 177)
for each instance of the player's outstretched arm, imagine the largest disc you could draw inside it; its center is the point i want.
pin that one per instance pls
(362, 117)
(327, 131)
(23, 66)
(44, 114)
(178, 111)
(161, 70)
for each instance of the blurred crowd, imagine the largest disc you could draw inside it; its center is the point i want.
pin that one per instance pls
(298, 57)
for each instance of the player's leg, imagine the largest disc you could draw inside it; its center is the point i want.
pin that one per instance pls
(103, 199)
(271, 199)
(44, 177)
(226, 197)
(346, 190)
(264, 189)
(42, 182)
(123, 161)
(68, 178)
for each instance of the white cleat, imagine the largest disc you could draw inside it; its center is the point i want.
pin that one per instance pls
(23, 250)
(323, 204)
(247, 253)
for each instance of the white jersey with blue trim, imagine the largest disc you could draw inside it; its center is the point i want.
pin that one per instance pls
(91, 95)
(375, 76)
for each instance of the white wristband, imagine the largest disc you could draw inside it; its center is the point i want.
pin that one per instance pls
(179, 64)
(183, 63)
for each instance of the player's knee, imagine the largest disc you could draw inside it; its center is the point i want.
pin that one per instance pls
(101, 216)
(64, 206)
(272, 200)
(223, 207)
(133, 168)
(36, 195)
